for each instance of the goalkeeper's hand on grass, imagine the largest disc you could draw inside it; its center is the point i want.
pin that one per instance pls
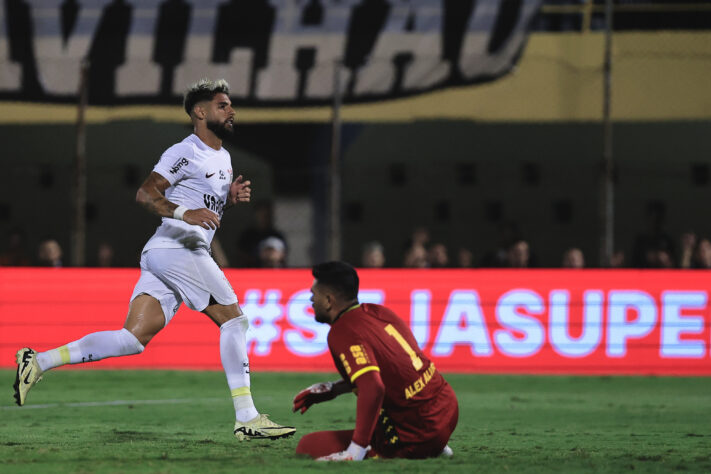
(317, 393)
(354, 452)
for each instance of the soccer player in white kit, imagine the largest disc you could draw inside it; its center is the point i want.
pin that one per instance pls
(189, 187)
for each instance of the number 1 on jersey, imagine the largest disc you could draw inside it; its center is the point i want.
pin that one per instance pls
(416, 361)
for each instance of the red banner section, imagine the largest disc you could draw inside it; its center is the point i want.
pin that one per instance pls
(478, 321)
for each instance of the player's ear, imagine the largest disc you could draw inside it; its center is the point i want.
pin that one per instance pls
(199, 111)
(330, 299)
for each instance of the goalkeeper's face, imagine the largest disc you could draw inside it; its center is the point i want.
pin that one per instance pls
(321, 303)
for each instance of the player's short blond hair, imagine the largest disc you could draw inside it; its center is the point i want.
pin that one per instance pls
(204, 89)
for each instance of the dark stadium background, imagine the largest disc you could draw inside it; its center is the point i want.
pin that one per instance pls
(533, 158)
(599, 370)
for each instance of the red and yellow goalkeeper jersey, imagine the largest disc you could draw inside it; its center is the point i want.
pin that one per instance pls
(370, 337)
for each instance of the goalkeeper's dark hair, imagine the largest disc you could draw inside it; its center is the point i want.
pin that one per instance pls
(204, 89)
(338, 276)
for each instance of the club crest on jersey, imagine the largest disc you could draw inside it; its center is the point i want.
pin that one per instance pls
(179, 164)
(222, 175)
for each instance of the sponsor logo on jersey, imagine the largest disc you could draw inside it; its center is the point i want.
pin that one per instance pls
(359, 355)
(213, 203)
(345, 363)
(222, 175)
(179, 164)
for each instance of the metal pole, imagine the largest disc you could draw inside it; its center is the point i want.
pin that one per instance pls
(78, 232)
(587, 15)
(334, 211)
(607, 202)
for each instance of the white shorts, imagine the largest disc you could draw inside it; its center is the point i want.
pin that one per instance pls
(173, 276)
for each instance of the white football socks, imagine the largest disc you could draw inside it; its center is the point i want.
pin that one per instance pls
(233, 353)
(90, 348)
(103, 344)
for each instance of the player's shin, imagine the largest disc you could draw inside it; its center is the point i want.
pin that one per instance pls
(90, 348)
(233, 353)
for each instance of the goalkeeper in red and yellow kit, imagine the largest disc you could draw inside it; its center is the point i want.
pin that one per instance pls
(405, 407)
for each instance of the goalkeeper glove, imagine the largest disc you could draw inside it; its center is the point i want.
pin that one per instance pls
(354, 452)
(317, 393)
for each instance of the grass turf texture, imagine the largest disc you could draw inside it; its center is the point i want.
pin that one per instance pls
(506, 423)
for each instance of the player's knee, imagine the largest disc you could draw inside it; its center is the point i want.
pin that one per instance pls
(240, 322)
(306, 445)
(323, 443)
(244, 322)
(130, 344)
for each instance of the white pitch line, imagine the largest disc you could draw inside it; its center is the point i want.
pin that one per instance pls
(169, 401)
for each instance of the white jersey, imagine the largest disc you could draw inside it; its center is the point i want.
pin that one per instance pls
(199, 177)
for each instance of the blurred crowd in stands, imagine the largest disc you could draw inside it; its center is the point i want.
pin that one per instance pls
(650, 251)
(262, 245)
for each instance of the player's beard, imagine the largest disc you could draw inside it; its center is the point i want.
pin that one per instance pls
(220, 129)
(321, 318)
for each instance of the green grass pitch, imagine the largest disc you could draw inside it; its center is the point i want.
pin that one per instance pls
(171, 422)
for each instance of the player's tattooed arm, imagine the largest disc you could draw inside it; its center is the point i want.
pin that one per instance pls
(151, 195)
(240, 191)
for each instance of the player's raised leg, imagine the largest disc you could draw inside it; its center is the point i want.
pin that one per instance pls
(249, 423)
(145, 318)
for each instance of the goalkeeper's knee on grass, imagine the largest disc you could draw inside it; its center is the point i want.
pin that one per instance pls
(323, 443)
